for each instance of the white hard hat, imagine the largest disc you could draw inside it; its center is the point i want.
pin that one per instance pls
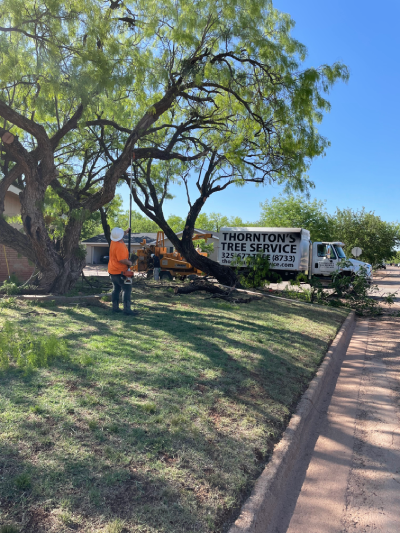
(152, 255)
(117, 234)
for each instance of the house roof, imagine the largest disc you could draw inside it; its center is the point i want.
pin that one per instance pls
(13, 189)
(196, 230)
(136, 238)
(265, 230)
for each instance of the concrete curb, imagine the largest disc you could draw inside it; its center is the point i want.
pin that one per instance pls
(259, 512)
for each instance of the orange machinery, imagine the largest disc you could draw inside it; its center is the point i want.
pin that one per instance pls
(172, 264)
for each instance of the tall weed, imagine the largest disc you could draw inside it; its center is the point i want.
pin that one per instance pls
(22, 348)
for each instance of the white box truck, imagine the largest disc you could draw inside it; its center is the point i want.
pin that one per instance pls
(289, 250)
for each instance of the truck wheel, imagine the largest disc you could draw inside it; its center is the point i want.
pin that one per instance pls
(166, 275)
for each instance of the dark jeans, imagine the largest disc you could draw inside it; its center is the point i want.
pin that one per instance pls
(118, 283)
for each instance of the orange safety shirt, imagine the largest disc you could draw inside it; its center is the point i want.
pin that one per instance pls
(118, 251)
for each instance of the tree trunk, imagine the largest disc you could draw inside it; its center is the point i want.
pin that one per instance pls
(60, 278)
(58, 269)
(224, 274)
(106, 225)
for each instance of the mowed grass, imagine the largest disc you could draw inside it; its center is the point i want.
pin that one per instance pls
(158, 423)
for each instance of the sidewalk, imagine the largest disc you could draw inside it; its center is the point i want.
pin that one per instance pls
(352, 481)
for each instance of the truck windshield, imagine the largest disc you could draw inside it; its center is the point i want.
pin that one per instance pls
(340, 252)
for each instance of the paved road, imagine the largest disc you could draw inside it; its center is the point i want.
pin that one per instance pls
(351, 476)
(388, 281)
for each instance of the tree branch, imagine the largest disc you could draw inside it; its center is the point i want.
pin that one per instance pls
(70, 125)
(16, 240)
(104, 122)
(24, 123)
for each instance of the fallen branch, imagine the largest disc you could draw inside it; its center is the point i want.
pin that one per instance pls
(232, 299)
(216, 292)
(200, 286)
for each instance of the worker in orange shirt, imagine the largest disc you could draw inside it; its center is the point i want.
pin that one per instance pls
(118, 264)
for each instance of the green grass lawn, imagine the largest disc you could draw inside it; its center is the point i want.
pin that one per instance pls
(159, 423)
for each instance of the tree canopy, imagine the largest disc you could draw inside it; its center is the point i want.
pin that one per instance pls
(205, 93)
(377, 238)
(297, 212)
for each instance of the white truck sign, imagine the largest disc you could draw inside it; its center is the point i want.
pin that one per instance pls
(289, 250)
(282, 247)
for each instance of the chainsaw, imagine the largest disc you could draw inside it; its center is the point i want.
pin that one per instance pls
(128, 275)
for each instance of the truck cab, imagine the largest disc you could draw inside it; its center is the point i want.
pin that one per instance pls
(326, 258)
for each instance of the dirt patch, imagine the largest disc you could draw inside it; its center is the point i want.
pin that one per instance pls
(39, 521)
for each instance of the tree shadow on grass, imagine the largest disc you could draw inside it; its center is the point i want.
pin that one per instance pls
(167, 444)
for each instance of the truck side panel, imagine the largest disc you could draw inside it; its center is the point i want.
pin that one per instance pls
(286, 248)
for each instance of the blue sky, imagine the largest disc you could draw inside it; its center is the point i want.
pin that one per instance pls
(361, 168)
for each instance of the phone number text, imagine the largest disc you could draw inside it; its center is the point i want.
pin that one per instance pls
(273, 258)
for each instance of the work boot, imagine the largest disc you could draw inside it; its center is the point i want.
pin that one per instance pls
(128, 312)
(116, 309)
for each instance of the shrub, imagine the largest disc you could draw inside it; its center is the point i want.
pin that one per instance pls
(9, 288)
(254, 271)
(315, 293)
(14, 279)
(8, 303)
(354, 292)
(22, 348)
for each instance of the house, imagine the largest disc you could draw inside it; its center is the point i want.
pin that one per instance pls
(97, 247)
(11, 262)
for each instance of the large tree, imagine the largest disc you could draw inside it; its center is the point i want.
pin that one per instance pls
(205, 91)
(377, 238)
